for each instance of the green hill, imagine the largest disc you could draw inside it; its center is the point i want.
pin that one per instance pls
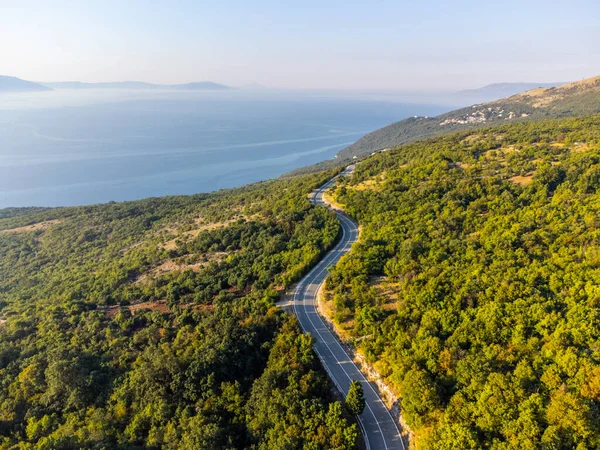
(568, 100)
(474, 288)
(151, 324)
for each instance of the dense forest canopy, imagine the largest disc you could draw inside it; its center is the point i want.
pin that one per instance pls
(475, 287)
(474, 290)
(151, 324)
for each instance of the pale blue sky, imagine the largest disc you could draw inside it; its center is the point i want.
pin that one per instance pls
(402, 45)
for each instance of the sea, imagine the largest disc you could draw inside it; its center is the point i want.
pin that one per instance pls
(76, 147)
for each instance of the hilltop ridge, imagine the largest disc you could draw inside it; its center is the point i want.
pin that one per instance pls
(199, 85)
(497, 91)
(568, 100)
(553, 96)
(14, 84)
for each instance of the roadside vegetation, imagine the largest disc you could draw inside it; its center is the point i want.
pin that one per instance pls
(151, 324)
(474, 289)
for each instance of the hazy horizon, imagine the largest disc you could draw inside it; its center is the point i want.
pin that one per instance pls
(338, 45)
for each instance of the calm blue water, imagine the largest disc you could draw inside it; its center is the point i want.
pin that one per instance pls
(69, 148)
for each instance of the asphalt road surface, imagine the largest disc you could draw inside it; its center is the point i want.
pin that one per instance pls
(378, 426)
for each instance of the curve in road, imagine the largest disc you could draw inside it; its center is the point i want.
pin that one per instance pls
(379, 428)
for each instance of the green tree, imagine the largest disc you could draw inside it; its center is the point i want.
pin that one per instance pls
(355, 400)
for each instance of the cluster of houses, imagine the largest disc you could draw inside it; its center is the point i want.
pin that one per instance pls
(481, 116)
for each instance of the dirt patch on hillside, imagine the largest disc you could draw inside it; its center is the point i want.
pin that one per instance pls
(199, 227)
(580, 147)
(474, 138)
(499, 152)
(368, 185)
(522, 180)
(33, 227)
(160, 306)
(179, 264)
(112, 311)
(462, 165)
(386, 290)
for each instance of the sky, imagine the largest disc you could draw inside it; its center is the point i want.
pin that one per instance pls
(313, 44)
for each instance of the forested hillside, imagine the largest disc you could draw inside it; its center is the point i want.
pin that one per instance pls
(475, 289)
(568, 100)
(151, 324)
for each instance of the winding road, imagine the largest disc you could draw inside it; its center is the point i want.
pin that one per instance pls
(379, 428)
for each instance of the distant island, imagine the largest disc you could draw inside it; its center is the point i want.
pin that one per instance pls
(196, 86)
(14, 84)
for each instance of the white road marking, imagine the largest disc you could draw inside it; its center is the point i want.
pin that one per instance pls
(303, 287)
(361, 374)
(339, 362)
